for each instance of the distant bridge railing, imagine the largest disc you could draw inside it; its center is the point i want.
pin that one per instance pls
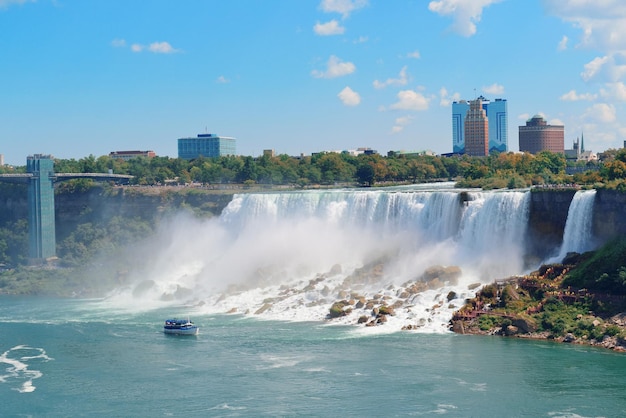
(24, 177)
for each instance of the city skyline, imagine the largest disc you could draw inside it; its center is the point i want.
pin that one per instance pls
(82, 78)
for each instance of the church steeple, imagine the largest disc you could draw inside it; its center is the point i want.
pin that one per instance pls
(582, 142)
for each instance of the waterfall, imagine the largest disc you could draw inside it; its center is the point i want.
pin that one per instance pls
(291, 255)
(578, 233)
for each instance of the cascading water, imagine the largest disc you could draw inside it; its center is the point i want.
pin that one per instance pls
(292, 255)
(578, 234)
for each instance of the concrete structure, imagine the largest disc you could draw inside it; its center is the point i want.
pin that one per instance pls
(538, 136)
(129, 155)
(206, 145)
(497, 114)
(1, 159)
(41, 222)
(40, 177)
(476, 129)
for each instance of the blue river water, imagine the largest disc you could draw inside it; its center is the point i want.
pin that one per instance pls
(71, 358)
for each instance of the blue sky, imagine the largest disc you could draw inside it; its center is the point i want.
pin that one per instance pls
(298, 76)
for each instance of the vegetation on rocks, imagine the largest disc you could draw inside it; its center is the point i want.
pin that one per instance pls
(581, 300)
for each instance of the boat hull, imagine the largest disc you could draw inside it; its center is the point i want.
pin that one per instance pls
(182, 331)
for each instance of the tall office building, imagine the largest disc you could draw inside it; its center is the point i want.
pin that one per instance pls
(497, 115)
(538, 136)
(206, 145)
(41, 228)
(476, 131)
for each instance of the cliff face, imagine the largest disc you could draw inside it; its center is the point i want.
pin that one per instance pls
(609, 214)
(546, 221)
(547, 217)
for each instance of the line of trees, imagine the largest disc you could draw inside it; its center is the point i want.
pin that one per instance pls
(504, 170)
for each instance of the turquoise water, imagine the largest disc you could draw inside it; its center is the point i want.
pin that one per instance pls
(80, 358)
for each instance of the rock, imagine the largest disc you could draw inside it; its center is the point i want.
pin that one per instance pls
(526, 325)
(451, 295)
(386, 310)
(263, 308)
(569, 338)
(510, 330)
(338, 310)
(363, 319)
(458, 327)
(474, 286)
(232, 311)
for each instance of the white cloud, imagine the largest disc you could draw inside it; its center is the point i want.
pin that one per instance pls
(414, 54)
(445, 99)
(118, 43)
(335, 68)
(601, 112)
(556, 122)
(155, 47)
(411, 100)
(345, 7)
(400, 123)
(495, 89)
(602, 22)
(349, 97)
(610, 68)
(614, 91)
(222, 80)
(563, 43)
(329, 28)
(161, 48)
(572, 96)
(4, 4)
(400, 81)
(465, 13)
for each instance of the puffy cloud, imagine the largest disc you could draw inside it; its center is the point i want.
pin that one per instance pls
(400, 81)
(614, 91)
(563, 43)
(602, 22)
(161, 48)
(495, 89)
(465, 13)
(335, 68)
(136, 48)
(222, 80)
(601, 112)
(411, 100)
(349, 97)
(445, 99)
(572, 96)
(329, 28)
(609, 68)
(345, 7)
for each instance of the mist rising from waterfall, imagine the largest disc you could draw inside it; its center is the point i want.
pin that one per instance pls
(291, 255)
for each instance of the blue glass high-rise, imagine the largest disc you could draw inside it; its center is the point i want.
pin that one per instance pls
(498, 124)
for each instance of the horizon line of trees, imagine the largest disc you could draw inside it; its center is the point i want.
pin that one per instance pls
(499, 170)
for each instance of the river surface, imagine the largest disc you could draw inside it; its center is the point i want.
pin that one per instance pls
(71, 358)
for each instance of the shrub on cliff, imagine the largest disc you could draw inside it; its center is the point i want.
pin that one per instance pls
(604, 271)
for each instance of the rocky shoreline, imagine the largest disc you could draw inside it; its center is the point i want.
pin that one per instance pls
(537, 306)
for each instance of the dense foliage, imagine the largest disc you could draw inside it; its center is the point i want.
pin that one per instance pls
(603, 270)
